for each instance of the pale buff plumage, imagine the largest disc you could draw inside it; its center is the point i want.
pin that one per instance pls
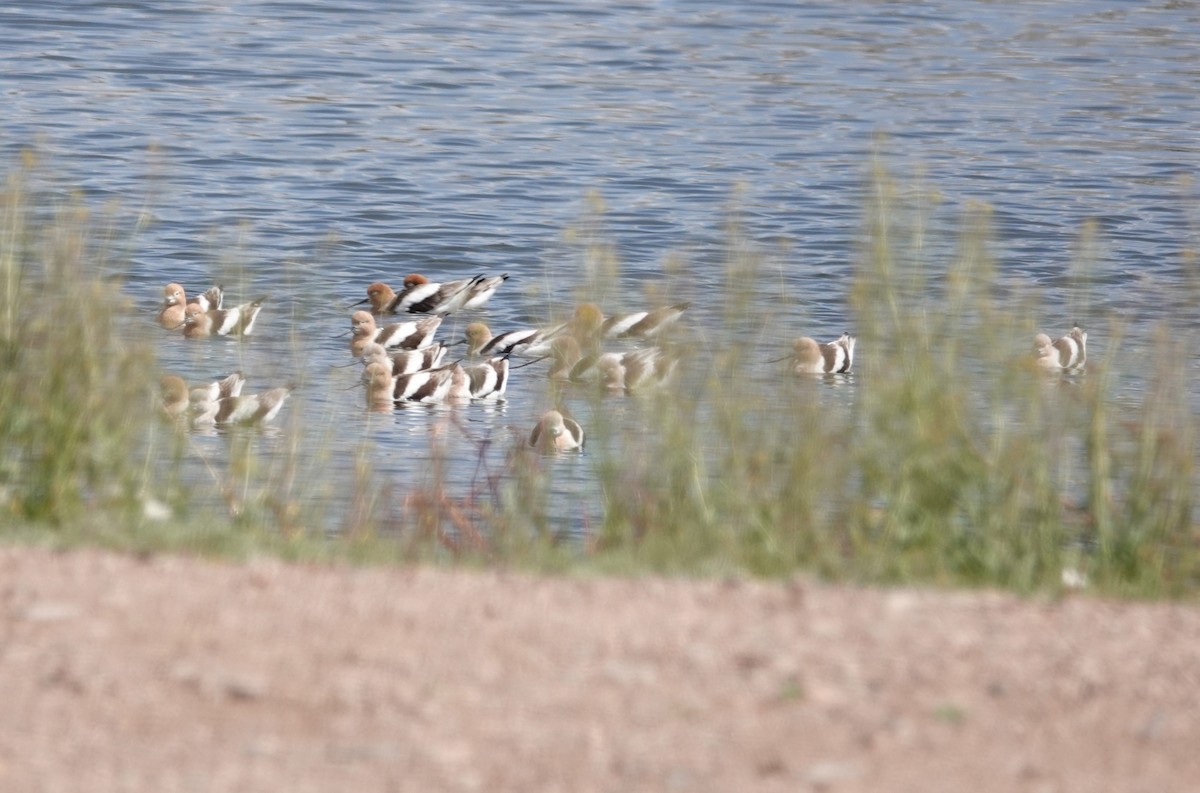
(1067, 353)
(556, 432)
(565, 354)
(175, 399)
(381, 386)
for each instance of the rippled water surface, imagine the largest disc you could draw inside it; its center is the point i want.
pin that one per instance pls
(303, 150)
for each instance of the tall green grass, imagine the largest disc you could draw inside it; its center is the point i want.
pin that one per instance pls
(958, 462)
(946, 459)
(66, 377)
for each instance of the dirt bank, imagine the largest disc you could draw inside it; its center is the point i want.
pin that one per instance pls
(175, 674)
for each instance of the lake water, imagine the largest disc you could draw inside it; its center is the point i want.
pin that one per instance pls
(302, 150)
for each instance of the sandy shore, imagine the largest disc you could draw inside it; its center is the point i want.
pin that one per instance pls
(174, 674)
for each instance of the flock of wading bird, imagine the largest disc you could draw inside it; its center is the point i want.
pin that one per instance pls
(402, 362)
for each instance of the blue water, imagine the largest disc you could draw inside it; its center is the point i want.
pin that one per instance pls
(304, 150)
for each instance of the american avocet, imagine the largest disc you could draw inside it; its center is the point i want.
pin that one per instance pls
(421, 296)
(379, 295)
(585, 325)
(171, 311)
(586, 368)
(488, 380)
(229, 386)
(249, 409)
(405, 361)
(812, 357)
(236, 321)
(571, 364)
(174, 395)
(460, 386)
(1068, 353)
(482, 290)
(177, 397)
(483, 381)
(529, 341)
(635, 371)
(381, 386)
(556, 432)
(370, 353)
(566, 353)
(431, 386)
(401, 363)
(643, 324)
(413, 335)
(411, 361)
(1047, 356)
(589, 322)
